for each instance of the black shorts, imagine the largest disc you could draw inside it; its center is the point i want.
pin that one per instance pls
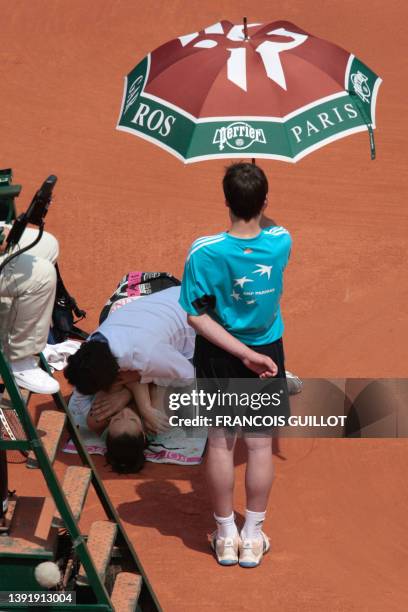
(215, 365)
(211, 361)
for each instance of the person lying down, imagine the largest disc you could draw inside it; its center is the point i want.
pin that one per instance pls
(139, 349)
(120, 422)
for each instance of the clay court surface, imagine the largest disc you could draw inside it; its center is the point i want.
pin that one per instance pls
(337, 515)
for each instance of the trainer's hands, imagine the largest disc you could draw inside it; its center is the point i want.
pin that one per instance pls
(262, 365)
(155, 420)
(106, 404)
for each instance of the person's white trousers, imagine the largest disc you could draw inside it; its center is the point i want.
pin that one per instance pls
(27, 293)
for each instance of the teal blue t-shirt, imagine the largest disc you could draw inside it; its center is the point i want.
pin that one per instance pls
(238, 282)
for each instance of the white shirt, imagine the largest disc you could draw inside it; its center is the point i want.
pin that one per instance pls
(151, 335)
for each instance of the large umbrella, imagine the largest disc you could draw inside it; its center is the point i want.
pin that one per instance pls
(265, 91)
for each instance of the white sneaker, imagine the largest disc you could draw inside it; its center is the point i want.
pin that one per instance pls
(252, 551)
(294, 383)
(29, 375)
(225, 549)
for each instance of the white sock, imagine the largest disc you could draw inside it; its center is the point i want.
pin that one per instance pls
(226, 527)
(252, 529)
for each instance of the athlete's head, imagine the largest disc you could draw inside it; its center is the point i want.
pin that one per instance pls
(92, 368)
(245, 189)
(125, 442)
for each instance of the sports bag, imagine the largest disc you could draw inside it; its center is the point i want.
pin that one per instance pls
(136, 284)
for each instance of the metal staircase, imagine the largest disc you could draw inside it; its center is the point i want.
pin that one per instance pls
(102, 568)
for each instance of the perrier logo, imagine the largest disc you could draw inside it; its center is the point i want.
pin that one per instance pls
(238, 135)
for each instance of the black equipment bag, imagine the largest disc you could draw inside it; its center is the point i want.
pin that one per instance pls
(65, 309)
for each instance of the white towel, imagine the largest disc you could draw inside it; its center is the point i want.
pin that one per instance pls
(57, 354)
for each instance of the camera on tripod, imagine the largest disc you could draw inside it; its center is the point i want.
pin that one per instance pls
(8, 192)
(35, 213)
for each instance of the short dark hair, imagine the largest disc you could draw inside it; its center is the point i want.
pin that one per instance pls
(125, 453)
(92, 368)
(245, 189)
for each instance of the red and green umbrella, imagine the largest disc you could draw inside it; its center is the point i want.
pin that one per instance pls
(265, 91)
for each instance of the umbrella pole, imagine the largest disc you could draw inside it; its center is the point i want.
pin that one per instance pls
(246, 37)
(245, 29)
(366, 120)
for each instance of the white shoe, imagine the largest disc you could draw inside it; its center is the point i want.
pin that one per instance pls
(225, 549)
(252, 551)
(29, 375)
(294, 383)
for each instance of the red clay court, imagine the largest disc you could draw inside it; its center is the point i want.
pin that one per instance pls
(337, 515)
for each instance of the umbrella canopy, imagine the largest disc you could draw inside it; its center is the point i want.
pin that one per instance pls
(266, 91)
